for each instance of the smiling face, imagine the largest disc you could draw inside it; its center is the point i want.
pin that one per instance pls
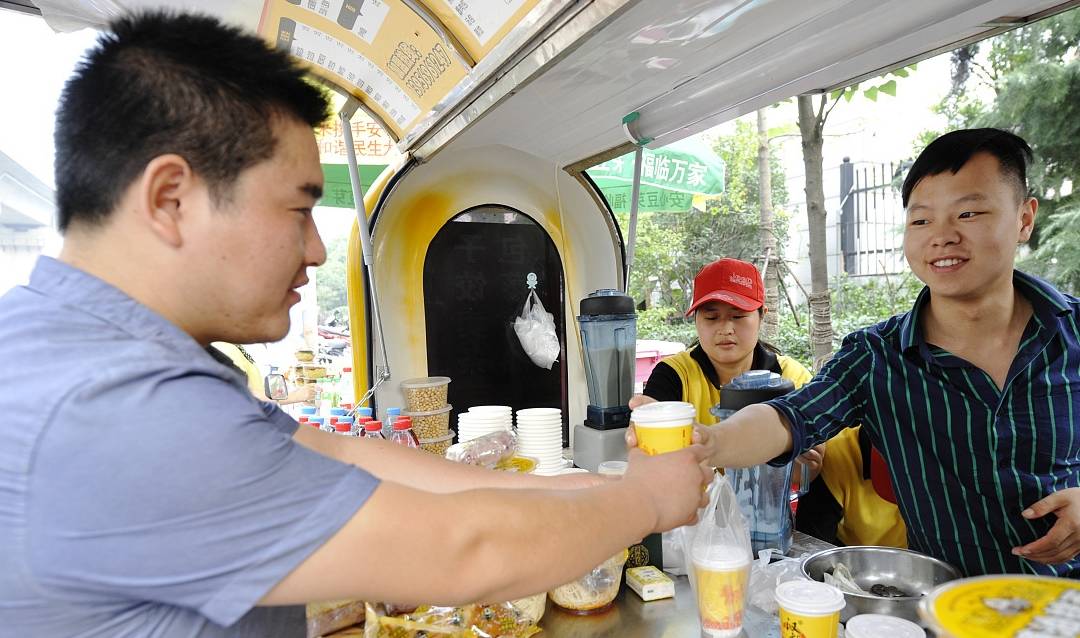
(962, 229)
(727, 334)
(256, 245)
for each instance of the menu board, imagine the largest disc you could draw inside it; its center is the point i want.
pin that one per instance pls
(380, 51)
(480, 24)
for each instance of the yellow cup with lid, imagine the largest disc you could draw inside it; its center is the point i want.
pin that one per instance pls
(721, 575)
(663, 426)
(809, 609)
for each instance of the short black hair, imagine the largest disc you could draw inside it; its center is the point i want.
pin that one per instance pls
(952, 150)
(162, 82)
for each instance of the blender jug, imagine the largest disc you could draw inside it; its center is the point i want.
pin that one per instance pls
(763, 491)
(609, 343)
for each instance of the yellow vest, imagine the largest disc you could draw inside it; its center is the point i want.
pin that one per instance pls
(868, 518)
(254, 377)
(699, 391)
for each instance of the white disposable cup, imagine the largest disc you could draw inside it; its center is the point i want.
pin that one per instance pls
(878, 625)
(491, 409)
(813, 605)
(527, 412)
(722, 575)
(663, 426)
(612, 468)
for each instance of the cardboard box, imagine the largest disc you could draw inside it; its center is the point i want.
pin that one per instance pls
(650, 583)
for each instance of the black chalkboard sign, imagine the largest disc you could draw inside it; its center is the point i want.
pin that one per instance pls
(474, 286)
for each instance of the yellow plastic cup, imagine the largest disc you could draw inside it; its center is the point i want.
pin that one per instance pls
(664, 426)
(721, 578)
(809, 609)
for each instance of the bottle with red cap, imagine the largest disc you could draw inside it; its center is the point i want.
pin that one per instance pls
(342, 425)
(403, 433)
(372, 429)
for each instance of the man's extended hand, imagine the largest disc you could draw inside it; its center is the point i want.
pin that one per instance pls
(639, 400)
(673, 482)
(703, 435)
(1062, 542)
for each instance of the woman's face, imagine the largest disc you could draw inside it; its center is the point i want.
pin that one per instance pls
(728, 335)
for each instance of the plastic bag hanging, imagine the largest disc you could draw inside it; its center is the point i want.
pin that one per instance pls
(718, 557)
(535, 329)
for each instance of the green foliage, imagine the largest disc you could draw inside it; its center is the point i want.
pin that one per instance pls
(666, 323)
(1057, 258)
(331, 283)
(672, 247)
(856, 304)
(885, 84)
(1034, 72)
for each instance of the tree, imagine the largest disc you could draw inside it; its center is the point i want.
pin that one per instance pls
(812, 127)
(672, 247)
(1034, 75)
(770, 255)
(330, 282)
(812, 130)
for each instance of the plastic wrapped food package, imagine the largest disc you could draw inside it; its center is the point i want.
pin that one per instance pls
(486, 451)
(594, 591)
(502, 620)
(326, 618)
(532, 607)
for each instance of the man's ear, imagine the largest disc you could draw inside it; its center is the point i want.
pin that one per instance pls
(167, 184)
(1028, 209)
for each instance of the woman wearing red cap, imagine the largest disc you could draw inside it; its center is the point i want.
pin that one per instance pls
(728, 307)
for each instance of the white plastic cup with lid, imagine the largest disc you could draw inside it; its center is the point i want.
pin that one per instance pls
(663, 426)
(611, 469)
(809, 608)
(878, 625)
(721, 574)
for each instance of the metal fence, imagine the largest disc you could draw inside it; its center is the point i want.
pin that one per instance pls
(871, 218)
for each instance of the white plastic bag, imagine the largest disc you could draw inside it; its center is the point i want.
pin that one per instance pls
(767, 574)
(718, 559)
(535, 329)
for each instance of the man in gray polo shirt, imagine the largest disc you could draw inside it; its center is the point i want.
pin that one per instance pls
(143, 490)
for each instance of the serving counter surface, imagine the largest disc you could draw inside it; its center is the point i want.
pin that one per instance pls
(630, 617)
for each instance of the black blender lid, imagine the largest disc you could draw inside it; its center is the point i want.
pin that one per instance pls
(607, 302)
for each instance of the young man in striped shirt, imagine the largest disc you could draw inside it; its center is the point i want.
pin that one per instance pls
(973, 396)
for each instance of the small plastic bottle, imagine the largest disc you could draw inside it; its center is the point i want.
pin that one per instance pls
(373, 430)
(345, 387)
(403, 434)
(343, 425)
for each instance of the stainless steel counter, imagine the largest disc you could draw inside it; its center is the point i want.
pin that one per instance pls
(630, 617)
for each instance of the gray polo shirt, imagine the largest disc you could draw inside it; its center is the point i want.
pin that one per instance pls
(143, 490)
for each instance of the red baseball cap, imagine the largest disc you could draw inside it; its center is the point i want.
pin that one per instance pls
(731, 281)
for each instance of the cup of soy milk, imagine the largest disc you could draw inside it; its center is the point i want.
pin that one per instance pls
(663, 426)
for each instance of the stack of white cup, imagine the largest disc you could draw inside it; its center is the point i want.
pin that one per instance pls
(484, 419)
(539, 433)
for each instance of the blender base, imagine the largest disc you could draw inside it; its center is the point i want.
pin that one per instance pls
(592, 447)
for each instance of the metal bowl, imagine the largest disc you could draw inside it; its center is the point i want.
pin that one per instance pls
(911, 572)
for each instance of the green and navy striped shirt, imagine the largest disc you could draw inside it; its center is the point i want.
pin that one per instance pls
(966, 459)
